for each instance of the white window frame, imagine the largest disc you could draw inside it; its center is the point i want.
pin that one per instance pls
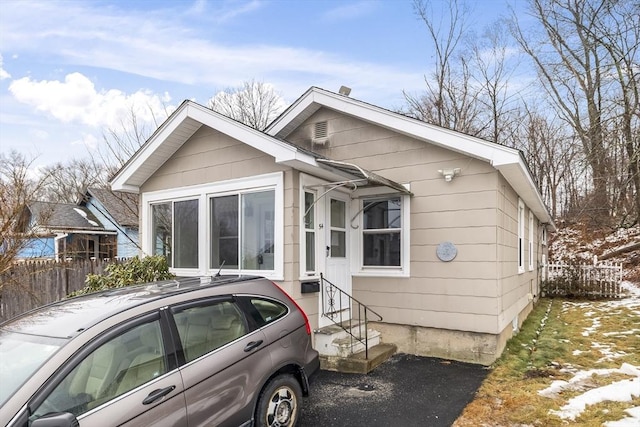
(306, 184)
(357, 237)
(520, 245)
(531, 234)
(304, 273)
(204, 192)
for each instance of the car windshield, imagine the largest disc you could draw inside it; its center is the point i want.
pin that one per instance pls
(20, 356)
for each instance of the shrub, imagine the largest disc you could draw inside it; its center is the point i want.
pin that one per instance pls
(132, 271)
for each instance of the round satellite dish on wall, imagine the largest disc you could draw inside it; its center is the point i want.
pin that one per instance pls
(446, 251)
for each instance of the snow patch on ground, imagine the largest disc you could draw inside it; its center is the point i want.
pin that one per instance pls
(620, 391)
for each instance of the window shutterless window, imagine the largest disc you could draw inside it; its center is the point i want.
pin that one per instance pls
(175, 232)
(309, 233)
(382, 232)
(520, 236)
(243, 231)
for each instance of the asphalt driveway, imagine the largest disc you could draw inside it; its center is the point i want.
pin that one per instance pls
(404, 391)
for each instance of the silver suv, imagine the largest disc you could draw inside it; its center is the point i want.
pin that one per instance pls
(233, 352)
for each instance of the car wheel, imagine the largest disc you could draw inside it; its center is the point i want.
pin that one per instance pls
(279, 403)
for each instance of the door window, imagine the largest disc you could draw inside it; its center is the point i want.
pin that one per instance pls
(338, 230)
(114, 368)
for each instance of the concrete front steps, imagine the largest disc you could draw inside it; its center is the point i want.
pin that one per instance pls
(341, 352)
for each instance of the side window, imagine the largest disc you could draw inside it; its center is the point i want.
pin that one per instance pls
(204, 328)
(115, 367)
(267, 311)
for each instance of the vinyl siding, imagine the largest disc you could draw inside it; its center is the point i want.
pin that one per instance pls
(459, 295)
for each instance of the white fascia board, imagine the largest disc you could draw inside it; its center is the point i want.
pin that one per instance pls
(121, 181)
(452, 140)
(291, 113)
(518, 177)
(281, 151)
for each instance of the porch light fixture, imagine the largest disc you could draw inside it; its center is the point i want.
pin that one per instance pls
(448, 174)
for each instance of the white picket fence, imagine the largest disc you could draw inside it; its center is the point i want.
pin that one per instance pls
(600, 280)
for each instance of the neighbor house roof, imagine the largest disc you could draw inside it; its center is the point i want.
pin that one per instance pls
(63, 217)
(121, 206)
(508, 161)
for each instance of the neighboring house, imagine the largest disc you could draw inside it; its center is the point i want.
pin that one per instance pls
(439, 232)
(118, 212)
(64, 230)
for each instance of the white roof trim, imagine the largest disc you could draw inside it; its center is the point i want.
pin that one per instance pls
(469, 145)
(179, 127)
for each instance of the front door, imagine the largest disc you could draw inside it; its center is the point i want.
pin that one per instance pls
(337, 269)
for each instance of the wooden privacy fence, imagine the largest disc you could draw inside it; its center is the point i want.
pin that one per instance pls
(600, 280)
(34, 283)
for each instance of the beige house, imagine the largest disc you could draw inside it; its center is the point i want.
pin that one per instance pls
(441, 233)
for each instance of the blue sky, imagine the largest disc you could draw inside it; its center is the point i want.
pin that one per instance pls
(69, 70)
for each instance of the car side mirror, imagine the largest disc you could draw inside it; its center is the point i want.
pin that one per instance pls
(56, 419)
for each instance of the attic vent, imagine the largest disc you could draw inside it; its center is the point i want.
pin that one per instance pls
(320, 132)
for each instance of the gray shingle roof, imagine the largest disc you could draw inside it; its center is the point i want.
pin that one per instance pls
(63, 216)
(123, 207)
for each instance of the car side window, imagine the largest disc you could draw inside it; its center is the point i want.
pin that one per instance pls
(204, 328)
(267, 311)
(115, 367)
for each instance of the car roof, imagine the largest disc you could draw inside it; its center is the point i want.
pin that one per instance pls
(69, 317)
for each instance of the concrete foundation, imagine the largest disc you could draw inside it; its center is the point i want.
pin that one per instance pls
(463, 346)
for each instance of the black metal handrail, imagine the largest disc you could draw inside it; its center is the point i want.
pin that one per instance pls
(333, 312)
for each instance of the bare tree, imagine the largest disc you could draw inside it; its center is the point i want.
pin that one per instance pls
(618, 32)
(17, 189)
(65, 183)
(577, 57)
(450, 99)
(254, 103)
(493, 65)
(120, 143)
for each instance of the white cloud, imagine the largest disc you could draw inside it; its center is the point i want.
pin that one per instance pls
(164, 46)
(350, 10)
(88, 140)
(39, 134)
(3, 73)
(76, 100)
(222, 11)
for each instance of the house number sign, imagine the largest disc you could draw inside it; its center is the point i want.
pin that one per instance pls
(446, 251)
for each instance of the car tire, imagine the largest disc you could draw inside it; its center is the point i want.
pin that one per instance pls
(279, 403)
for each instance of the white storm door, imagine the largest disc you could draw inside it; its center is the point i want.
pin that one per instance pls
(337, 264)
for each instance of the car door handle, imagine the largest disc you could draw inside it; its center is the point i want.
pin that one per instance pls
(252, 345)
(158, 394)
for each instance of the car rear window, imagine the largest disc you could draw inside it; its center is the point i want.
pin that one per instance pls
(267, 310)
